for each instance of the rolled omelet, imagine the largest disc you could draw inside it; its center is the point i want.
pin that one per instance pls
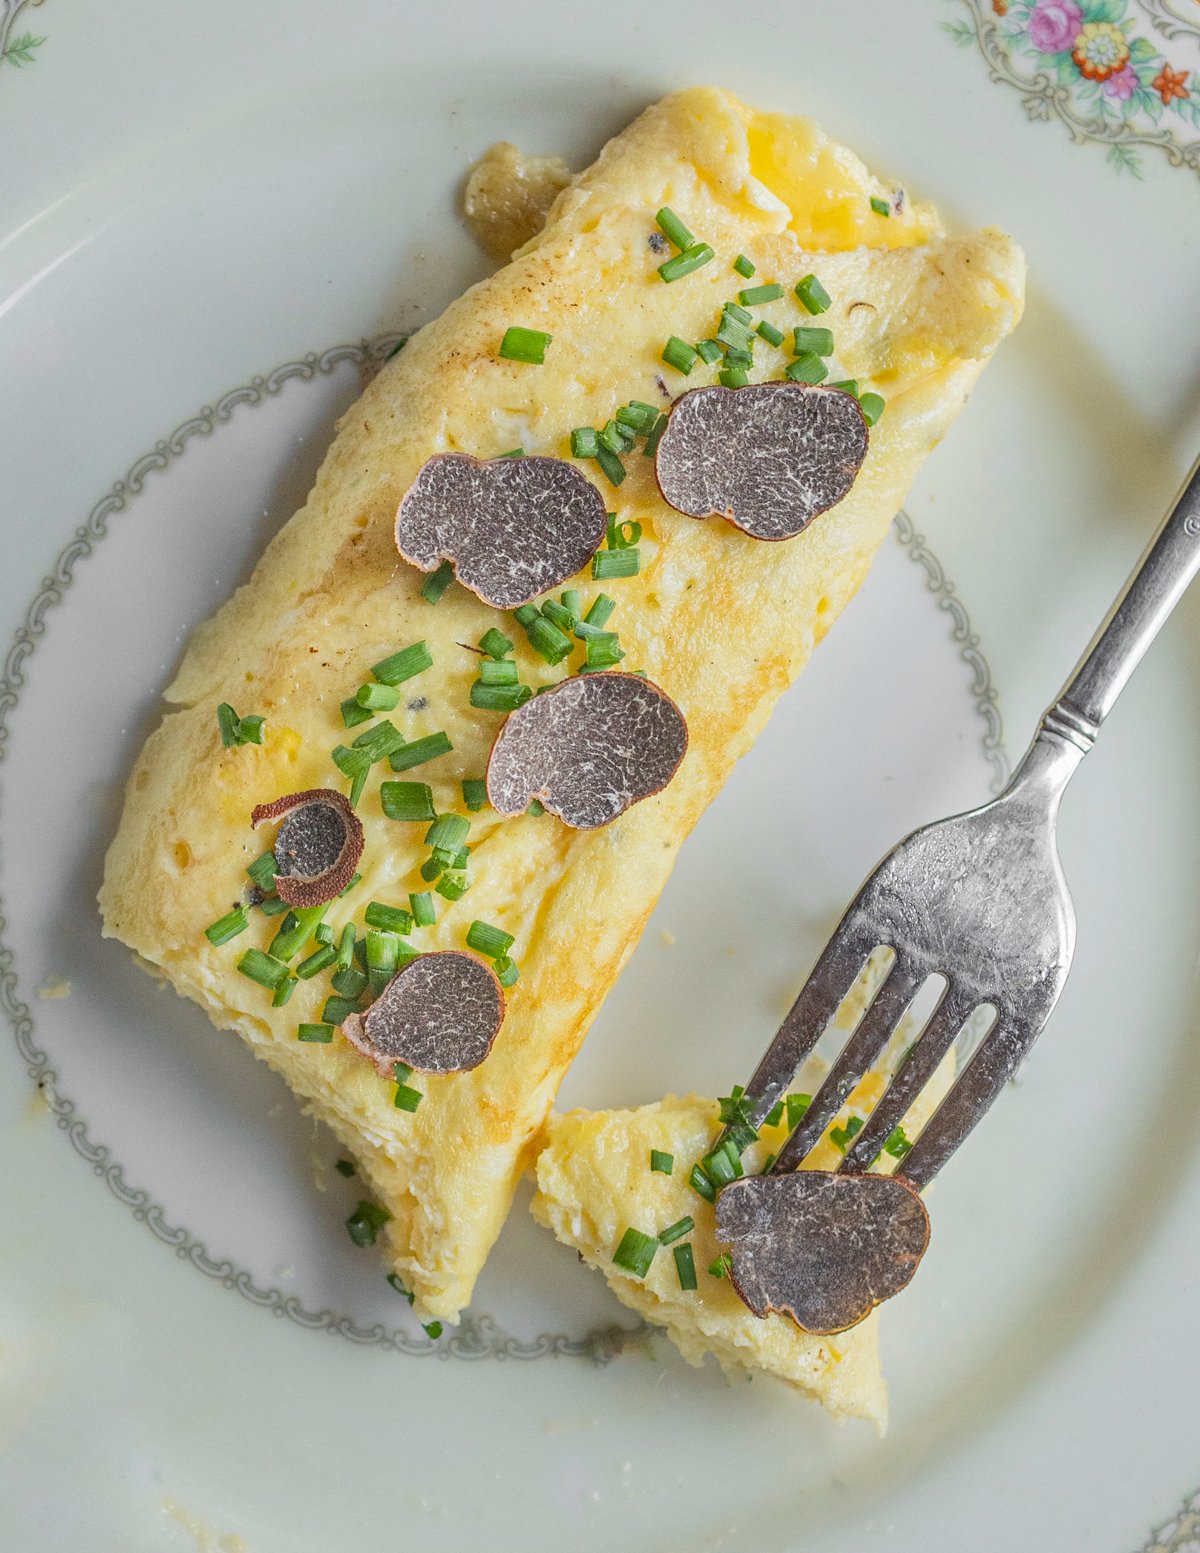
(721, 622)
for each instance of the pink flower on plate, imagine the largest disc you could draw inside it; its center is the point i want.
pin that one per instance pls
(1054, 25)
(1122, 85)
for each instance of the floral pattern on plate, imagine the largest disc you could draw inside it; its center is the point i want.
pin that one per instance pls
(17, 48)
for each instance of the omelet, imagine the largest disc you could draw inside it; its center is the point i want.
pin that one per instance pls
(720, 621)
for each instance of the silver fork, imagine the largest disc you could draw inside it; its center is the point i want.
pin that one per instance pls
(979, 899)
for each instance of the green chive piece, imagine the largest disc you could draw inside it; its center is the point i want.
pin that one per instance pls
(295, 931)
(736, 357)
(399, 1287)
(432, 1329)
(636, 1252)
(700, 1183)
(560, 615)
(323, 933)
(584, 442)
(391, 919)
(495, 643)
(655, 437)
(358, 782)
(401, 1072)
(774, 1116)
(769, 332)
(383, 950)
(420, 750)
(507, 970)
(692, 258)
(722, 1165)
(489, 940)
(526, 614)
(407, 1098)
(755, 296)
(378, 698)
(615, 437)
(263, 870)
(338, 1009)
(807, 338)
(598, 615)
(423, 912)
(603, 650)
(512, 453)
(397, 348)
(437, 582)
(354, 879)
(365, 1223)
(708, 351)
(622, 536)
(350, 760)
(272, 906)
(813, 294)
(744, 266)
(733, 377)
(721, 1266)
(354, 713)
(663, 1163)
(897, 1144)
(350, 983)
(679, 354)
(806, 369)
(676, 1231)
(227, 723)
(616, 563)
(432, 869)
(284, 991)
(452, 886)
(448, 832)
(345, 1167)
(404, 664)
(612, 466)
(499, 698)
(638, 416)
(848, 385)
(685, 1266)
(573, 604)
(797, 1105)
(673, 229)
(262, 968)
(734, 336)
(228, 926)
(527, 345)
(737, 314)
(407, 800)
(474, 791)
(548, 641)
(871, 406)
(880, 207)
(322, 1035)
(325, 956)
(841, 1137)
(536, 808)
(346, 945)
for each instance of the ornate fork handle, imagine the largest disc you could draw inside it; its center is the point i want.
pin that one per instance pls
(1154, 588)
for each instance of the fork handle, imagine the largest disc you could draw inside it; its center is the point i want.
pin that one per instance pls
(1154, 588)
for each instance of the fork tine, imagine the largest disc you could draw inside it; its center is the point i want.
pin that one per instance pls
(913, 1074)
(875, 1029)
(997, 1059)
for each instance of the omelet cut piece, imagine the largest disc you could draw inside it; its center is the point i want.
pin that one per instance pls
(721, 622)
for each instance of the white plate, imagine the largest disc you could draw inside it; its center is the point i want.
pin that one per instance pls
(281, 180)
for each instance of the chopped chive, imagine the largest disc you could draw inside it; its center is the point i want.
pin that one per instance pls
(284, 991)
(350, 983)
(325, 956)
(603, 650)
(378, 698)
(525, 614)
(622, 536)
(767, 1163)
(507, 971)
(365, 1223)
(769, 332)
(407, 800)
(871, 406)
(734, 335)
(448, 831)
(536, 808)
(401, 1072)
(744, 266)
(848, 385)
(250, 730)
(432, 869)
(272, 906)
(295, 931)
(423, 912)
(238, 730)
(420, 750)
(733, 377)
(806, 369)
(774, 1116)
(601, 608)
(489, 940)
(228, 926)
(404, 664)
(572, 603)
(731, 310)
(263, 870)
(679, 354)
(527, 345)
(345, 1167)
(841, 1137)
(351, 760)
(735, 356)
(322, 1035)
(637, 416)
(636, 1252)
(612, 466)
(708, 351)
(584, 442)
(452, 886)
(512, 453)
(735, 1107)
(677, 1230)
(383, 950)
(673, 229)
(813, 294)
(323, 933)
(407, 1098)
(392, 919)
(692, 258)
(432, 1330)
(354, 713)
(897, 1144)
(797, 1105)
(474, 791)
(548, 641)
(354, 879)
(437, 582)
(495, 643)
(880, 207)
(700, 1183)
(721, 1266)
(346, 945)
(655, 437)
(262, 968)
(663, 1163)
(615, 437)
(557, 613)
(685, 1266)
(399, 1287)
(616, 563)
(755, 296)
(807, 338)
(338, 1009)
(499, 698)
(722, 1164)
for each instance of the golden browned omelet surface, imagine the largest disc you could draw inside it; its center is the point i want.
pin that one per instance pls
(722, 622)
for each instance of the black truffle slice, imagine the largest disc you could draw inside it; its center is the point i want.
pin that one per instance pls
(440, 1014)
(769, 457)
(512, 527)
(318, 845)
(824, 1248)
(587, 749)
